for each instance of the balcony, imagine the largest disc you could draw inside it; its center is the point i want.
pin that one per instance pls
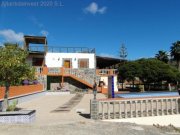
(69, 71)
(38, 48)
(106, 72)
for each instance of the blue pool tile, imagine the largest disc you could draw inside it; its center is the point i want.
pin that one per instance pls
(146, 94)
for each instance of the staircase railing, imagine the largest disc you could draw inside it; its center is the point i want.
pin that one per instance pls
(87, 75)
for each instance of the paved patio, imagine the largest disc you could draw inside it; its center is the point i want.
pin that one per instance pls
(68, 123)
(45, 105)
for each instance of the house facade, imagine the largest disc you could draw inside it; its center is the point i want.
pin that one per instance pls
(71, 60)
(66, 68)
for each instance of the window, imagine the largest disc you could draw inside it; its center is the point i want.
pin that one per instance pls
(83, 63)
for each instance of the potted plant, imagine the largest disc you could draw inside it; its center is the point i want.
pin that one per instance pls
(25, 82)
(35, 81)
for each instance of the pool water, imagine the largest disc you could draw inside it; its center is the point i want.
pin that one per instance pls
(146, 94)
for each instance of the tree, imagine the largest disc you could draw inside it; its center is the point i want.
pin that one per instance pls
(149, 71)
(123, 52)
(129, 71)
(154, 71)
(175, 53)
(162, 56)
(13, 67)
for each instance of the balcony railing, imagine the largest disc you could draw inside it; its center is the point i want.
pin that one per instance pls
(54, 71)
(106, 72)
(61, 49)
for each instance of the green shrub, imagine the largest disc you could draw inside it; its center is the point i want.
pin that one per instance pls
(12, 107)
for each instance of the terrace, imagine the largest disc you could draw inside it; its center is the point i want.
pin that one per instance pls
(38, 44)
(41, 49)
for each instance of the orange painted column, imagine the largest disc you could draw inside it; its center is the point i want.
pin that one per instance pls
(62, 82)
(111, 72)
(104, 90)
(97, 72)
(45, 71)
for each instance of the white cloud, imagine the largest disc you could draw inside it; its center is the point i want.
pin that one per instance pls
(102, 10)
(44, 33)
(93, 9)
(36, 22)
(10, 35)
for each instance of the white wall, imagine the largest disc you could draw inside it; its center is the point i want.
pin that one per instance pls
(56, 59)
(115, 84)
(105, 79)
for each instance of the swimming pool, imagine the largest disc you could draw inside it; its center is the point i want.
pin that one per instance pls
(146, 94)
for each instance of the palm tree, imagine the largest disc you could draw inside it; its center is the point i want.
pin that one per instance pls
(162, 56)
(175, 53)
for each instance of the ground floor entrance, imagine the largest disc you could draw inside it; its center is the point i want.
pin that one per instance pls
(64, 83)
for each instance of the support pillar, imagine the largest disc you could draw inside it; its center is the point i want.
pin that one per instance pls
(120, 110)
(167, 107)
(125, 110)
(108, 109)
(136, 110)
(94, 109)
(157, 111)
(141, 108)
(162, 108)
(177, 108)
(172, 112)
(102, 105)
(114, 114)
(152, 113)
(130, 109)
(146, 104)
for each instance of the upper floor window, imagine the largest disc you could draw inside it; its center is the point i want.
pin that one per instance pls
(83, 63)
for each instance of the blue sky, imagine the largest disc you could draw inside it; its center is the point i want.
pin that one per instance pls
(144, 26)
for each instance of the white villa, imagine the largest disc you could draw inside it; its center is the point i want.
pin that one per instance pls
(67, 68)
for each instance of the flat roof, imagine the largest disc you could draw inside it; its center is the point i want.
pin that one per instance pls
(35, 39)
(106, 62)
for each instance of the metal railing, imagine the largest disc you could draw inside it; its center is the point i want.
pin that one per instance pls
(71, 49)
(102, 72)
(37, 48)
(54, 71)
(129, 108)
(38, 70)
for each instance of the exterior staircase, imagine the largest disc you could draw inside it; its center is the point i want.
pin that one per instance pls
(85, 76)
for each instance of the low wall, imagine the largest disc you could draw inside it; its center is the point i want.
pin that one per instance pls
(24, 98)
(137, 107)
(18, 117)
(16, 91)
